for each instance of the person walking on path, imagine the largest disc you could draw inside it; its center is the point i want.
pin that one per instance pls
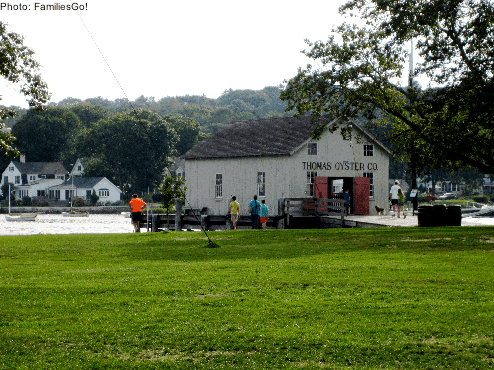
(394, 195)
(264, 214)
(401, 203)
(136, 206)
(234, 211)
(254, 208)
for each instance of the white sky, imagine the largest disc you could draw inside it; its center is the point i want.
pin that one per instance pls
(167, 48)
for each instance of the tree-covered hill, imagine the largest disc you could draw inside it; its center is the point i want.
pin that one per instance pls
(209, 113)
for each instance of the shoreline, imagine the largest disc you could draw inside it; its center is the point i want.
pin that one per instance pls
(104, 210)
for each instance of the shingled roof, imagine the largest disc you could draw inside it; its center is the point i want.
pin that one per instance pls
(253, 138)
(80, 182)
(42, 168)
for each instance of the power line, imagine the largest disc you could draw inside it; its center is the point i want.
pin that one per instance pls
(134, 110)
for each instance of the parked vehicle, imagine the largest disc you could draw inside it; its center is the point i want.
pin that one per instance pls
(447, 196)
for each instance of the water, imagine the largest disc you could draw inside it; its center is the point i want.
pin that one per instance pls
(478, 221)
(109, 224)
(57, 224)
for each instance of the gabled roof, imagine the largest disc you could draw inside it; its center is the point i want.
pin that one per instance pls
(42, 168)
(82, 161)
(82, 183)
(261, 137)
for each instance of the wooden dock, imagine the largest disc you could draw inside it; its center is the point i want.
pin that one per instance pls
(293, 213)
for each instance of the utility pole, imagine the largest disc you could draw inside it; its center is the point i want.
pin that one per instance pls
(412, 159)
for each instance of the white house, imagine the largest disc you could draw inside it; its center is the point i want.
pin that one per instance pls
(31, 179)
(277, 158)
(82, 187)
(50, 181)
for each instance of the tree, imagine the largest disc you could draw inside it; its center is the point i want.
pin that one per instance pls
(94, 198)
(129, 148)
(172, 188)
(448, 125)
(17, 65)
(88, 113)
(48, 135)
(188, 132)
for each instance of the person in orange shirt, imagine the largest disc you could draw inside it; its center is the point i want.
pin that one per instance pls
(136, 206)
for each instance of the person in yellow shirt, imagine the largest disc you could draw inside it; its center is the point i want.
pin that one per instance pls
(234, 211)
(136, 206)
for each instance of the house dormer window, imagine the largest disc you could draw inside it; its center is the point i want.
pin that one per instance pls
(11, 168)
(312, 148)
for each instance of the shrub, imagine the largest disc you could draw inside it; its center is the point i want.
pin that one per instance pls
(481, 198)
(79, 202)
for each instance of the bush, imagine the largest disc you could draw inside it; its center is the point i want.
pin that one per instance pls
(27, 201)
(481, 198)
(79, 202)
(94, 198)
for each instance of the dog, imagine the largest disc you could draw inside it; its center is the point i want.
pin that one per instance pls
(380, 211)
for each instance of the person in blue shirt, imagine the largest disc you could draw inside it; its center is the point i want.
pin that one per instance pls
(346, 197)
(254, 208)
(264, 215)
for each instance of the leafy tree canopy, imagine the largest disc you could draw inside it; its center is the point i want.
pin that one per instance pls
(130, 148)
(448, 125)
(48, 135)
(88, 113)
(17, 65)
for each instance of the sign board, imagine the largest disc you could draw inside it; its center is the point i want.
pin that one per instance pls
(413, 193)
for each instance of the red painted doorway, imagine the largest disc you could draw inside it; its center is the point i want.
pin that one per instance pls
(361, 191)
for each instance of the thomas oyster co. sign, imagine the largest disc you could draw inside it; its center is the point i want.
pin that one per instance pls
(344, 165)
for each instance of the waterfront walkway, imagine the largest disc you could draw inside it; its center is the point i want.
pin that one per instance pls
(389, 220)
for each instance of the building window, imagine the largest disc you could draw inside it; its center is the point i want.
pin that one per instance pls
(261, 184)
(368, 150)
(24, 193)
(11, 168)
(311, 180)
(17, 179)
(370, 175)
(104, 193)
(218, 187)
(312, 148)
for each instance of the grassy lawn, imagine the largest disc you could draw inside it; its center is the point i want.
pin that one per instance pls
(400, 298)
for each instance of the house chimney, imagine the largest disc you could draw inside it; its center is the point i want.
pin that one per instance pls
(23, 158)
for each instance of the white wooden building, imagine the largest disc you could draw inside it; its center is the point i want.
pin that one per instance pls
(276, 158)
(31, 179)
(82, 187)
(44, 181)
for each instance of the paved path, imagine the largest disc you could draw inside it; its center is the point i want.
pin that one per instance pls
(389, 220)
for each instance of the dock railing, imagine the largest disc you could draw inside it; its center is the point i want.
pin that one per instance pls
(317, 208)
(292, 213)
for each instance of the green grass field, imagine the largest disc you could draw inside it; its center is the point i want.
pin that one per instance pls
(388, 298)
